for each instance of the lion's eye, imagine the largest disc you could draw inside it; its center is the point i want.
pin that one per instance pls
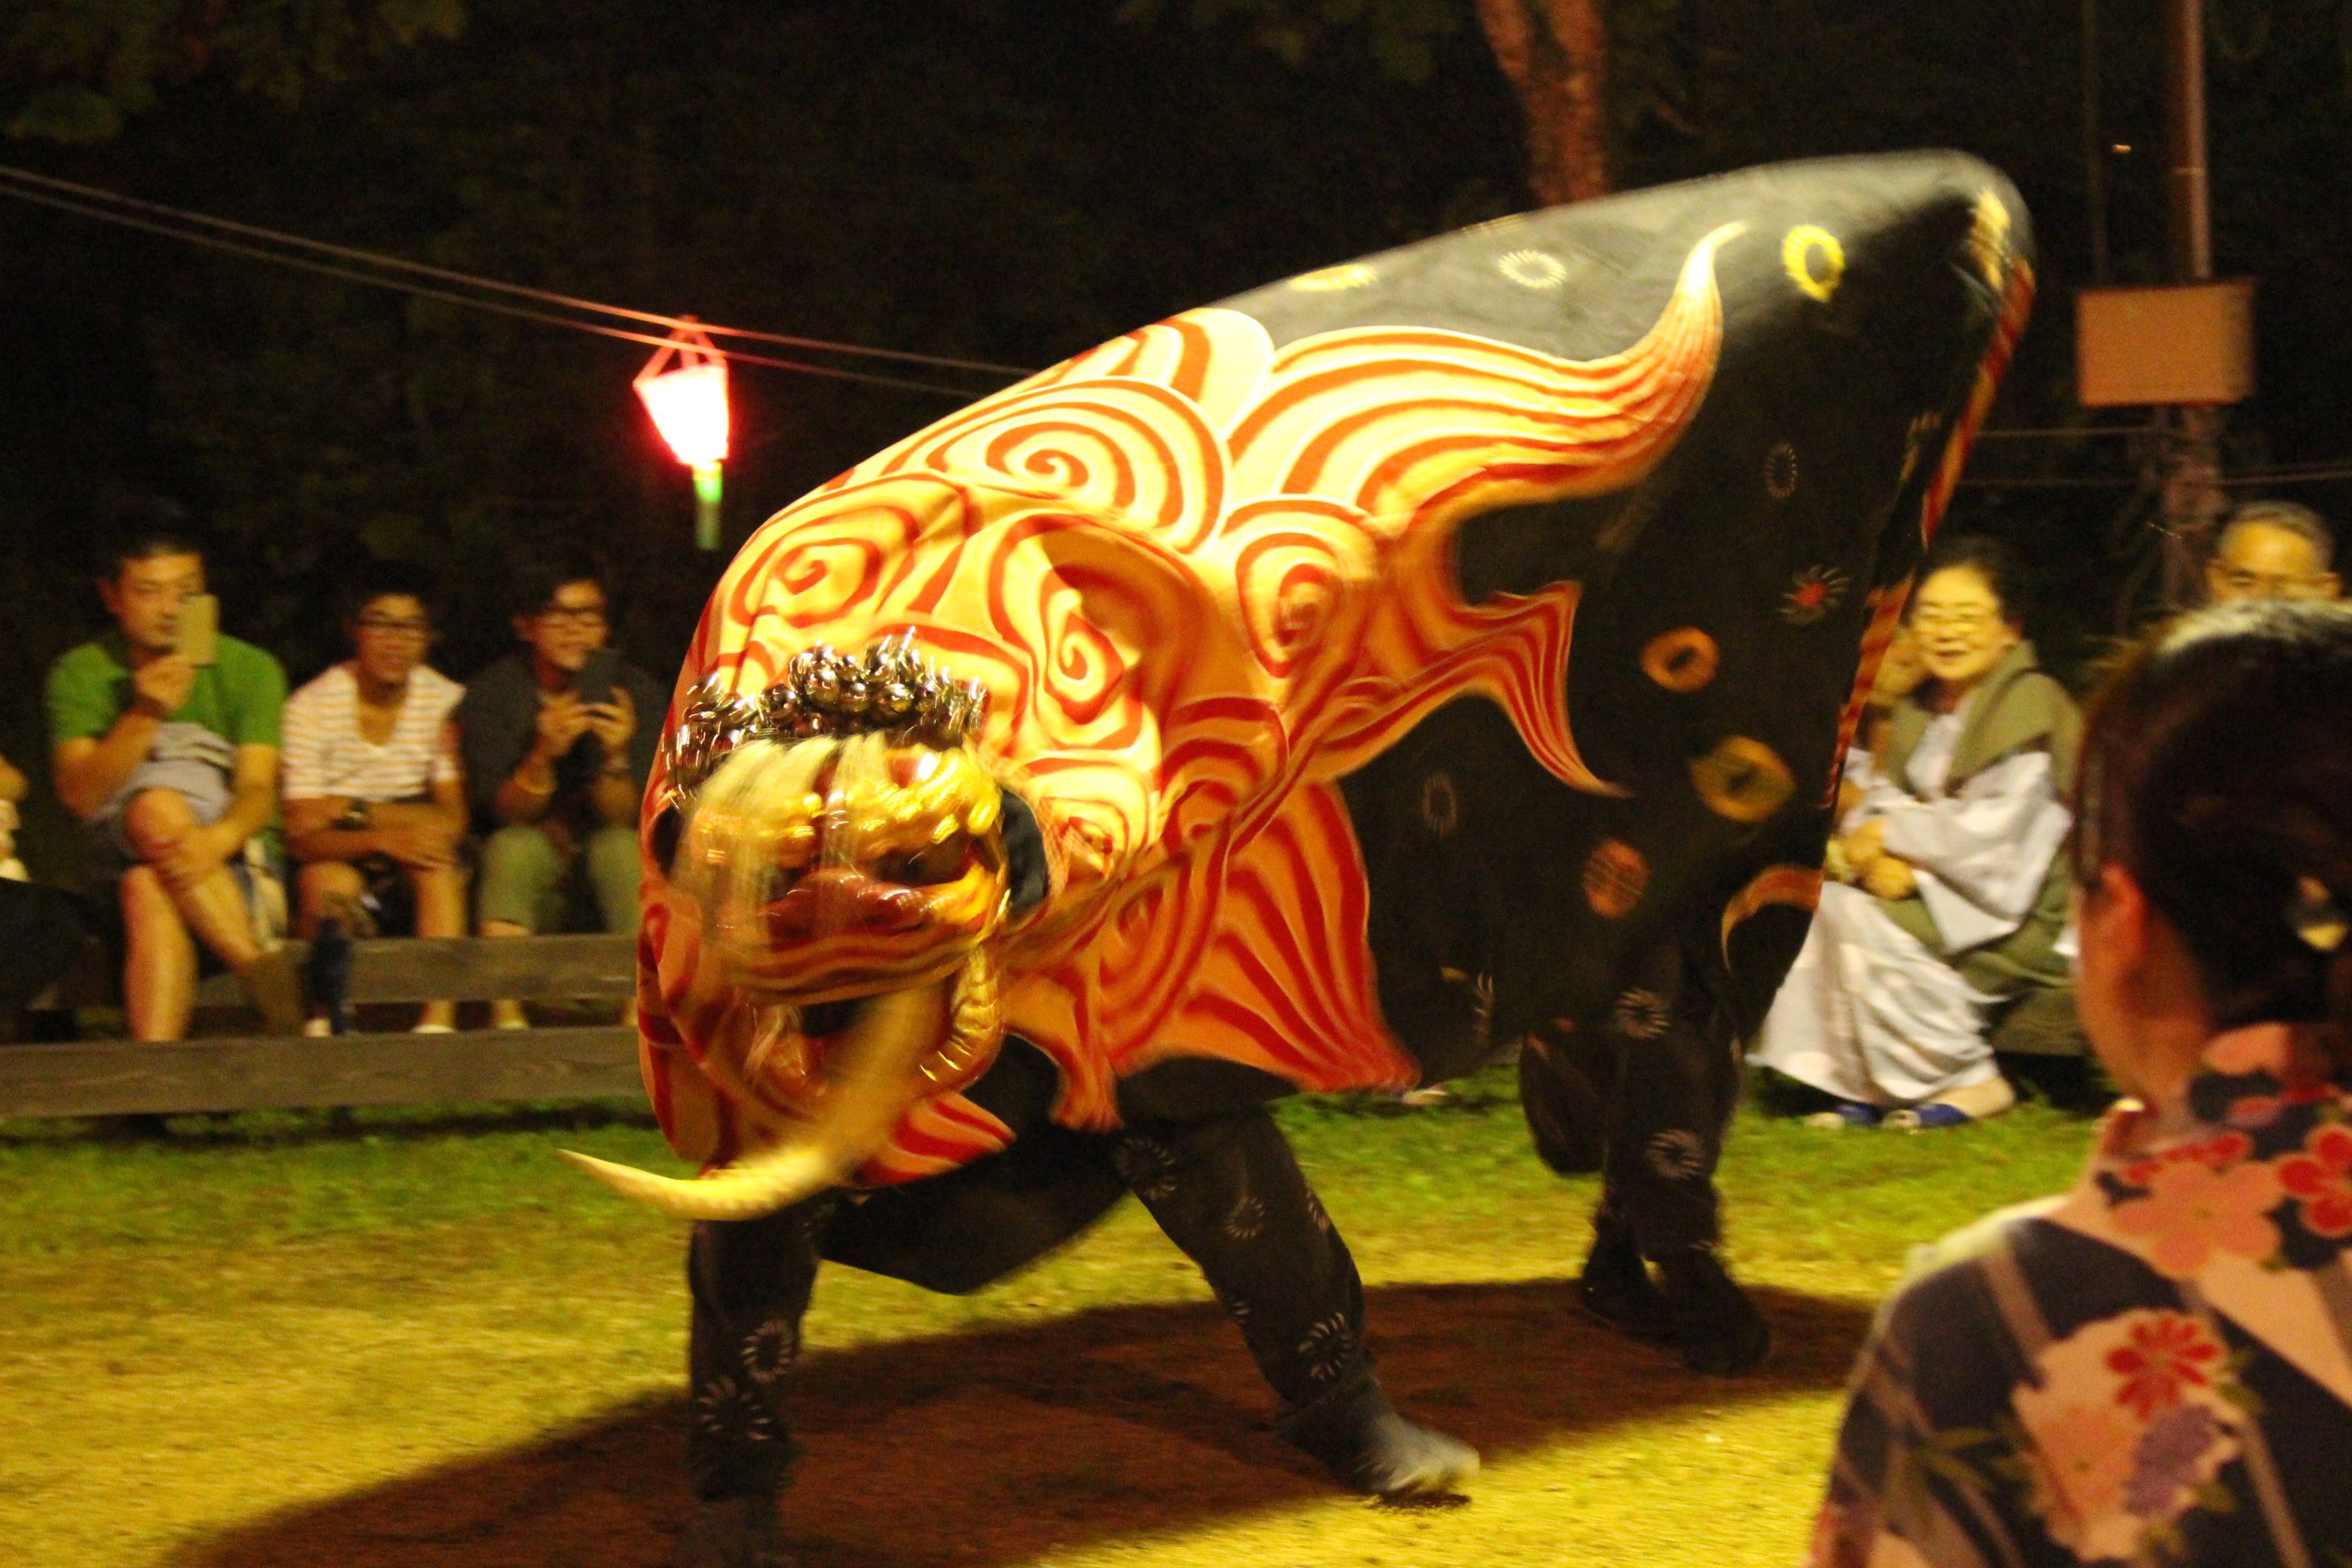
(940, 863)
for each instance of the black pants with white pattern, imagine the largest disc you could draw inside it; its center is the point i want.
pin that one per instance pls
(1644, 1095)
(1225, 1188)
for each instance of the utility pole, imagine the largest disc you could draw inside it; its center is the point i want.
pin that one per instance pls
(2095, 147)
(2190, 436)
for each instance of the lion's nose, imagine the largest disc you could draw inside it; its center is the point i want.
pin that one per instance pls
(837, 899)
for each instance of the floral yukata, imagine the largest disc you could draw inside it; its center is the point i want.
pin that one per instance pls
(2156, 1368)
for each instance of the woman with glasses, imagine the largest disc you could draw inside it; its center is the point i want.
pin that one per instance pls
(558, 739)
(1955, 894)
(2156, 1367)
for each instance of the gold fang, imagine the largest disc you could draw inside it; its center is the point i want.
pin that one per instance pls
(1797, 256)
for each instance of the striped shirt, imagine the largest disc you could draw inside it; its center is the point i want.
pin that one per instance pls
(326, 756)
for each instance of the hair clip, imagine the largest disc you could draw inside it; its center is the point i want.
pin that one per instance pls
(890, 688)
(2317, 919)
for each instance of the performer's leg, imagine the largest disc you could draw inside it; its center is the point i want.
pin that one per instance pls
(750, 1282)
(1679, 1084)
(1227, 1190)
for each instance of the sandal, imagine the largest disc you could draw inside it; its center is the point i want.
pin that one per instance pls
(1956, 1107)
(1845, 1113)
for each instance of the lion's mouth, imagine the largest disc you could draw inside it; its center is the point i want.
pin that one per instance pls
(847, 1070)
(877, 1061)
(844, 895)
(823, 1020)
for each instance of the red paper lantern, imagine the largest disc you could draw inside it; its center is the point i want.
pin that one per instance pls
(684, 388)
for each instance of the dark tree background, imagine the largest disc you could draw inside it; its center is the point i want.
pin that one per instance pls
(1006, 180)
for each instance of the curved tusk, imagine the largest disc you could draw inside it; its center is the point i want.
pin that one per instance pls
(888, 1037)
(771, 1180)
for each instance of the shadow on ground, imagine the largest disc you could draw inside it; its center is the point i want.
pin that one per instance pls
(1004, 1445)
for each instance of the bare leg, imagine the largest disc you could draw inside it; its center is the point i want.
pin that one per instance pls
(213, 906)
(440, 912)
(159, 968)
(212, 909)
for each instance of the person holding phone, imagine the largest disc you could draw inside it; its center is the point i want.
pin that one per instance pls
(557, 740)
(163, 738)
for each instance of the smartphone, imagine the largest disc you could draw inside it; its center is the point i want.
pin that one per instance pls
(197, 639)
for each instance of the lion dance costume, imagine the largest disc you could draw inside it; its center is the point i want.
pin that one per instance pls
(1329, 689)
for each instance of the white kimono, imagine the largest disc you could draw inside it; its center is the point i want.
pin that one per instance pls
(1868, 1013)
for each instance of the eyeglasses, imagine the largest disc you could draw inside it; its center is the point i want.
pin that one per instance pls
(393, 626)
(587, 618)
(1973, 621)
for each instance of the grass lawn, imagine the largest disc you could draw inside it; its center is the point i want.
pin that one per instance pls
(420, 1341)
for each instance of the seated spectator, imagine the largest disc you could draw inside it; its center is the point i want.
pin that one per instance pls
(374, 805)
(2152, 1368)
(12, 790)
(558, 738)
(1957, 896)
(2272, 550)
(40, 928)
(173, 764)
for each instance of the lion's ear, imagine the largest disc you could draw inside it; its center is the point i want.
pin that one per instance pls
(1026, 876)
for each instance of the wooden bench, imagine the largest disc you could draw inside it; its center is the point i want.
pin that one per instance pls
(106, 1077)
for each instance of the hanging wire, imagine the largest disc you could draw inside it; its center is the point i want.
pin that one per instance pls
(109, 206)
(105, 207)
(2329, 471)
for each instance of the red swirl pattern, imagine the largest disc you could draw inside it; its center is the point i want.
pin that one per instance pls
(1203, 580)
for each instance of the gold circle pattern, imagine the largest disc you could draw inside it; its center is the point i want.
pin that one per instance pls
(1615, 877)
(1798, 249)
(1684, 659)
(1742, 779)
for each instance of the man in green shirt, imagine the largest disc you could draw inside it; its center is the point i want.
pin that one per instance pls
(173, 765)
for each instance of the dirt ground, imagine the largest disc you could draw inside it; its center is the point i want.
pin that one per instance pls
(1138, 1435)
(441, 1352)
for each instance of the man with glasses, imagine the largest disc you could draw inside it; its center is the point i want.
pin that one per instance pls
(558, 738)
(2272, 550)
(375, 805)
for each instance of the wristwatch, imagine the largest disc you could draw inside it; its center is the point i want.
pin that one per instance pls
(356, 816)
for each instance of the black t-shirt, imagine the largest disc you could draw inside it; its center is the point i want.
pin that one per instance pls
(498, 719)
